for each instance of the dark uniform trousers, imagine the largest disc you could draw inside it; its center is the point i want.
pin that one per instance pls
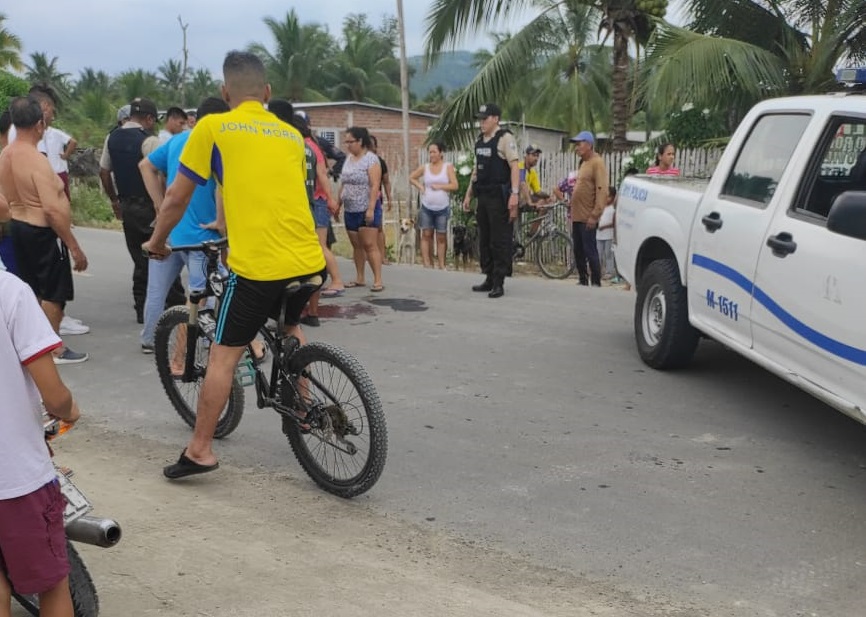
(138, 214)
(495, 234)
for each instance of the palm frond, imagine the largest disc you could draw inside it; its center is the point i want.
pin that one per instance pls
(688, 67)
(520, 52)
(449, 21)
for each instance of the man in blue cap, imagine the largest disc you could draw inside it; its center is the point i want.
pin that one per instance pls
(587, 203)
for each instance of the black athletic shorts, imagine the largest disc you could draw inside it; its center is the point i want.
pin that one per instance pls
(246, 305)
(43, 261)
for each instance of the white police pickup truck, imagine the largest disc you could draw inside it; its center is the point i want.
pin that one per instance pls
(767, 257)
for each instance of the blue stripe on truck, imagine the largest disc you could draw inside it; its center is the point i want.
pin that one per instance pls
(828, 344)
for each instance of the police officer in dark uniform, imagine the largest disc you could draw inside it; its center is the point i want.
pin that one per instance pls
(125, 147)
(495, 183)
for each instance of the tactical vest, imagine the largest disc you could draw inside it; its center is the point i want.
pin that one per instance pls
(493, 172)
(124, 148)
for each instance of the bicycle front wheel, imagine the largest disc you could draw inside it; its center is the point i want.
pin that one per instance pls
(345, 453)
(170, 344)
(555, 256)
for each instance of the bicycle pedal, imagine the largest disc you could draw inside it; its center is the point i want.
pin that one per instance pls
(246, 371)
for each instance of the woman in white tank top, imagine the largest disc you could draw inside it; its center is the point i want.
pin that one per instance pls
(435, 181)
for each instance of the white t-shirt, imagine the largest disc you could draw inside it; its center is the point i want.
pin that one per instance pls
(25, 335)
(606, 219)
(52, 144)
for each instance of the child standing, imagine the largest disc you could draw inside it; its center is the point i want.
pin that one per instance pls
(604, 237)
(32, 538)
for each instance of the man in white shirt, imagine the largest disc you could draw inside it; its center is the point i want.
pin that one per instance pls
(58, 146)
(175, 122)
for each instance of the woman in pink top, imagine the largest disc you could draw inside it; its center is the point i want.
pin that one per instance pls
(664, 162)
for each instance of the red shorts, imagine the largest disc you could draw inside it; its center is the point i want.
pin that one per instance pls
(33, 540)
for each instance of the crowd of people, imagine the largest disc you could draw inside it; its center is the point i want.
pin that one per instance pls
(503, 185)
(182, 187)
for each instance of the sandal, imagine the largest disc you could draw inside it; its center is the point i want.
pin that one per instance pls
(185, 466)
(333, 293)
(351, 284)
(377, 288)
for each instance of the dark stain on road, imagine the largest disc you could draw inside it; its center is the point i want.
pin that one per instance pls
(408, 305)
(346, 311)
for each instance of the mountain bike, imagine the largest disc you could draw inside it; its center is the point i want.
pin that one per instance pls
(330, 410)
(554, 254)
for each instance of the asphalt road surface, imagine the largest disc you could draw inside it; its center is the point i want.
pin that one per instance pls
(528, 425)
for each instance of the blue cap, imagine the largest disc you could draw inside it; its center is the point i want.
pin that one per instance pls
(584, 136)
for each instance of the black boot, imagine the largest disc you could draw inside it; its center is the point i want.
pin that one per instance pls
(497, 292)
(487, 285)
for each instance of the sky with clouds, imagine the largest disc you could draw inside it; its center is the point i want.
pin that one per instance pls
(115, 35)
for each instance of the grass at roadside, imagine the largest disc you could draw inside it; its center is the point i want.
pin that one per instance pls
(90, 207)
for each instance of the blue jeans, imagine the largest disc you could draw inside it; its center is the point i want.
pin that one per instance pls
(160, 276)
(586, 253)
(434, 219)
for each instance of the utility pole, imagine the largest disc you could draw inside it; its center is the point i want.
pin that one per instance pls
(183, 28)
(404, 91)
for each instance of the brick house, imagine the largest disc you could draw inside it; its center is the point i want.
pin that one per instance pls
(386, 123)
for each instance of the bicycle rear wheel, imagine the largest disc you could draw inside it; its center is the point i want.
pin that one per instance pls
(346, 452)
(170, 354)
(555, 256)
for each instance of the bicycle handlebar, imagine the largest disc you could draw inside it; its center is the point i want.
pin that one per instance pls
(204, 246)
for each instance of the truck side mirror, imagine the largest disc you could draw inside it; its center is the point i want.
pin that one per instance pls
(848, 215)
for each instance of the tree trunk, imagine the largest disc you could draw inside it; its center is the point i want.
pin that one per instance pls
(620, 90)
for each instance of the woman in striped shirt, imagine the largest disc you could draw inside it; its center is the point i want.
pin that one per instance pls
(664, 162)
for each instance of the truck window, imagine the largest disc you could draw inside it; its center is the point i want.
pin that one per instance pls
(763, 158)
(842, 156)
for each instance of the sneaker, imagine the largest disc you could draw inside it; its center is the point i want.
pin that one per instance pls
(70, 357)
(311, 320)
(146, 349)
(69, 326)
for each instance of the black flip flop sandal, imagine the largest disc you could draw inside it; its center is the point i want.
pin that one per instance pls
(185, 466)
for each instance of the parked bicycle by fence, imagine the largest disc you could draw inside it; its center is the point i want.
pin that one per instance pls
(329, 408)
(540, 237)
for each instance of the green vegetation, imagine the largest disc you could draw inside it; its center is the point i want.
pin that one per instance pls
(90, 207)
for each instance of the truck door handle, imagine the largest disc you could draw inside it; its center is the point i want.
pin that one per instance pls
(712, 221)
(782, 244)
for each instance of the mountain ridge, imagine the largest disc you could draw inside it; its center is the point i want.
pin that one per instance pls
(452, 70)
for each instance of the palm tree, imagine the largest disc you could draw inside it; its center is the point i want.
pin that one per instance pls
(737, 53)
(93, 94)
(367, 69)
(296, 66)
(43, 71)
(137, 83)
(450, 20)
(171, 79)
(202, 85)
(10, 48)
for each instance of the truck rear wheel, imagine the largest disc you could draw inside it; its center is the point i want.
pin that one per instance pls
(665, 338)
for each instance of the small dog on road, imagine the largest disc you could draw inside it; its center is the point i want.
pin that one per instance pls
(406, 247)
(463, 239)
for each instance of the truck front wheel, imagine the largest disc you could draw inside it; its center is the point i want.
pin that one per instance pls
(665, 338)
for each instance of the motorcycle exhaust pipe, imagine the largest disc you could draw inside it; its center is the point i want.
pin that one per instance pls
(103, 532)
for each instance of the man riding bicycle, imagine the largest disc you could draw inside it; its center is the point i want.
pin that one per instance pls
(259, 163)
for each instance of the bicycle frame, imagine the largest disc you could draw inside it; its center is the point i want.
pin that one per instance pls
(282, 346)
(546, 226)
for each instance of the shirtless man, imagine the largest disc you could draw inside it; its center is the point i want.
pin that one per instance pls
(40, 215)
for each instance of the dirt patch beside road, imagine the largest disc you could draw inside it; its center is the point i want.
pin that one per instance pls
(243, 542)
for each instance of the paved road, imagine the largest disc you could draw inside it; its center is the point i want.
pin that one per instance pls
(528, 424)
